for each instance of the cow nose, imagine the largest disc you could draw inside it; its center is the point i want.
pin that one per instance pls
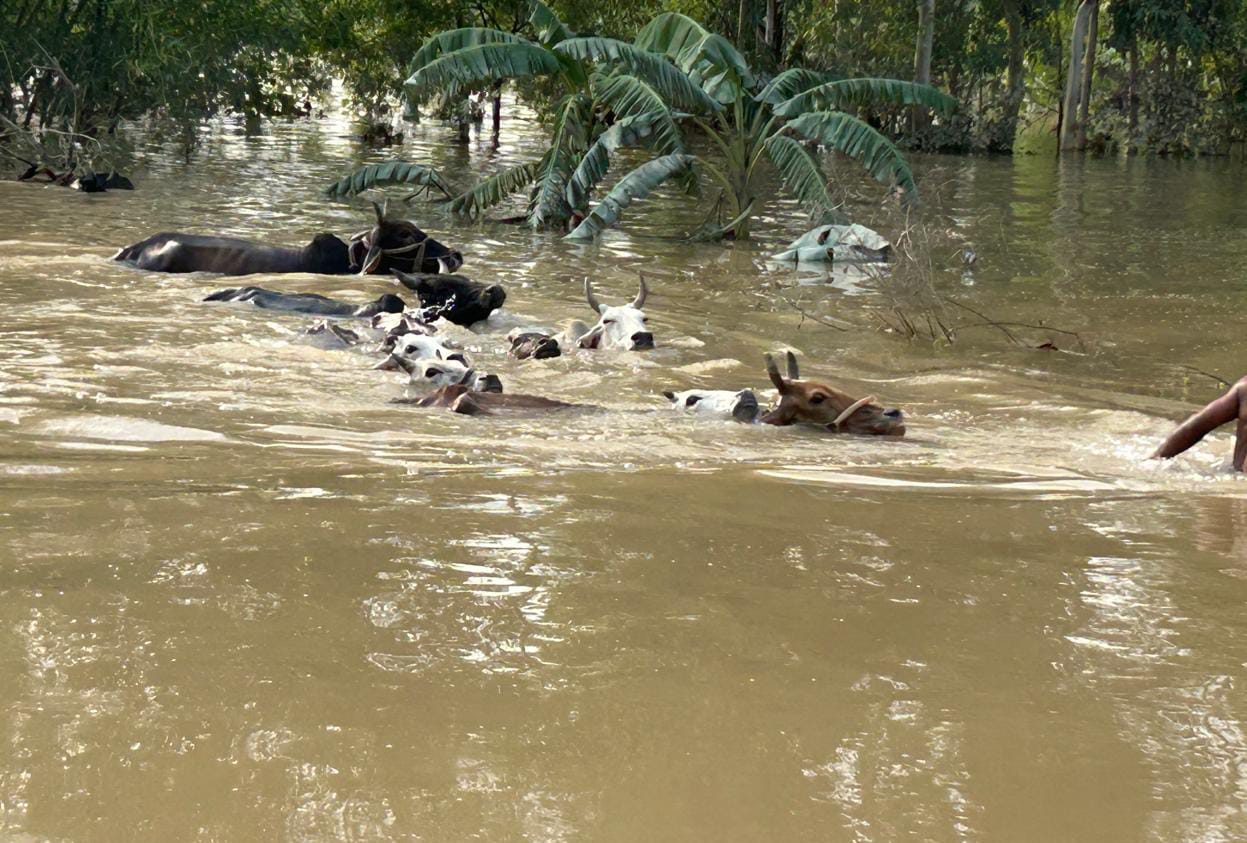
(893, 413)
(642, 339)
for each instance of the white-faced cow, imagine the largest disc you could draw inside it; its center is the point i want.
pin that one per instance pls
(741, 405)
(619, 327)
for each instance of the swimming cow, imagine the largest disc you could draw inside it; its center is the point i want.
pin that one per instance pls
(387, 246)
(621, 328)
(308, 303)
(811, 402)
(454, 297)
(741, 405)
(460, 399)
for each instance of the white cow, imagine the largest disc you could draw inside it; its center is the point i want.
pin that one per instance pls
(742, 405)
(622, 327)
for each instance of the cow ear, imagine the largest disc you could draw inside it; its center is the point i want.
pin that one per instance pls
(670, 395)
(776, 378)
(794, 372)
(591, 339)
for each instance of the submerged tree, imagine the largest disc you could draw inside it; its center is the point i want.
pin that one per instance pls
(620, 94)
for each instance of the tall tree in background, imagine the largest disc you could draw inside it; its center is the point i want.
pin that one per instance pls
(922, 56)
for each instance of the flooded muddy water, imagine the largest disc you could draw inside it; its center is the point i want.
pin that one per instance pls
(243, 596)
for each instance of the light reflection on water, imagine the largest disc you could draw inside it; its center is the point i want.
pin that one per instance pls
(242, 595)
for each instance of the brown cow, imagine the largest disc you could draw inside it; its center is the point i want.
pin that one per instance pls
(460, 399)
(811, 402)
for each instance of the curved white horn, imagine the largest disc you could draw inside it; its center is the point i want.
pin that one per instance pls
(639, 301)
(592, 299)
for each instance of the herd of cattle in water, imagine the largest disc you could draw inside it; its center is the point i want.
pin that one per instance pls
(440, 373)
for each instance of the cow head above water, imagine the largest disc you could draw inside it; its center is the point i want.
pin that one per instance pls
(416, 347)
(816, 403)
(622, 327)
(430, 374)
(716, 403)
(399, 244)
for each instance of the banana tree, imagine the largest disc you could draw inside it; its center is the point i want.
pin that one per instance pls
(619, 95)
(777, 121)
(638, 90)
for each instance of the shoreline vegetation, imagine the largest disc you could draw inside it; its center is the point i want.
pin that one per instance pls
(1164, 77)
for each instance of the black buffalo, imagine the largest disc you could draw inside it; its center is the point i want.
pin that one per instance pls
(454, 297)
(309, 303)
(389, 245)
(174, 252)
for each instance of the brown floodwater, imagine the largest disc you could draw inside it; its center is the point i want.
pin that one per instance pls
(243, 597)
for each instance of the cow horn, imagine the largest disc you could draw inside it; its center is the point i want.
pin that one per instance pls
(592, 299)
(380, 211)
(776, 378)
(371, 259)
(639, 301)
(794, 373)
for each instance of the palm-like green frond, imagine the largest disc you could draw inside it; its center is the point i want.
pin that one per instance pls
(801, 173)
(846, 93)
(636, 130)
(668, 80)
(391, 172)
(483, 63)
(710, 60)
(457, 39)
(791, 82)
(628, 96)
(635, 185)
(548, 204)
(550, 30)
(672, 34)
(858, 139)
(491, 191)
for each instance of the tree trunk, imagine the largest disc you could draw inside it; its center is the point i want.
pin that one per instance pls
(741, 24)
(1088, 74)
(1073, 87)
(922, 58)
(497, 115)
(1133, 93)
(1015, 80)
(772, 36)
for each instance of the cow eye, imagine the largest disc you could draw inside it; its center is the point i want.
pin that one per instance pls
(608, 321)
(691, 400)
(818, 398)
(431, 373)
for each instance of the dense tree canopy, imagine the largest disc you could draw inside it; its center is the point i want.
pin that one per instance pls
(1167, 76)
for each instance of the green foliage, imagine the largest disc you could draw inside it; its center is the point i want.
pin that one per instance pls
(857, 139)
(548, 206)
(803, 176)
(855, 93)
(493, 190)
(637, 184)
(371, 176)
(482, 64)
